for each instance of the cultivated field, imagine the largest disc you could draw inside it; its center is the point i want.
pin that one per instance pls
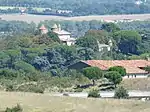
(109, 18)
(31, 102)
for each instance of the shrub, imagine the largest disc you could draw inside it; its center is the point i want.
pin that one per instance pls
(10, 88)
(38, 90)
(119, 69)
(94, 93)
(31, 88)
(14, 109)
(9, 73)
(78, 90)
(121, 93)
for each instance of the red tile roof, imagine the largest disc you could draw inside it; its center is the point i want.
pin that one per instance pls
(131, 66)
(43, 28)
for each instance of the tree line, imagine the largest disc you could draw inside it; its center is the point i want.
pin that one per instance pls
(85, 7)
(46, 52)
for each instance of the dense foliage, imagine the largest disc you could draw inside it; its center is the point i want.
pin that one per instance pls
(33, 62)
(127, 41)
(147, 69)
(9, 28)
(119, 69)
(93, 72)
(114, 77)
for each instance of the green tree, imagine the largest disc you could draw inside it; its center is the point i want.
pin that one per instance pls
(53, 36)
(147, 69)
(24, 66)
(61, 56)
(24, 42)
(43, 39)
(119, 69)
(4, 59)
(114, 77)
(110, 27)
(93, 73)
(86, 53)
(127, 41)
(88, 42)
(14, 54)
(101, 35)
(121, 93)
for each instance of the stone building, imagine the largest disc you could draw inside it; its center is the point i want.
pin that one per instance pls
(64, 36)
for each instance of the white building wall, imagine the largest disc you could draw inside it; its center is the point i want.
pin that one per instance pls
(137, 76)
(70, 43)
(64, 37)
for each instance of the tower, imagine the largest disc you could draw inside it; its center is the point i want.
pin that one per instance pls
(110, 43)
(54, 27)
(43, 29)
(59, 27)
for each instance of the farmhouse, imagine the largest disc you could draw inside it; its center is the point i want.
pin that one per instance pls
(64, 36)
(134, 68)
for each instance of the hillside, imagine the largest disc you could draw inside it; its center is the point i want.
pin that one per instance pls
(46, 103)
(108, 18)
(86, 7)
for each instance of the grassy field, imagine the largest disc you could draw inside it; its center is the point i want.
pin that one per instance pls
(38, 18)
(137, 84)
(45, 103)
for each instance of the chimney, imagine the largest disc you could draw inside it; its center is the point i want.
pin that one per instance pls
(59, 27)
(110, 43)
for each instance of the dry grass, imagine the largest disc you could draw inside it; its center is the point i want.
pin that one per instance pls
(137, 84)
(38, 18)
(46, 103)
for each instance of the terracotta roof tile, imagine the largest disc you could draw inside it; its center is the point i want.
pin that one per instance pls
(131, 66)
(43, 28)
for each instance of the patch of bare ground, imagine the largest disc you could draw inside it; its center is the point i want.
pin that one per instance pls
(137, 84)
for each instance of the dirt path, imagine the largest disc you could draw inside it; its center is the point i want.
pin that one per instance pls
(38, 18)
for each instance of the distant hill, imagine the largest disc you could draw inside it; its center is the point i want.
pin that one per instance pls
(87, 7)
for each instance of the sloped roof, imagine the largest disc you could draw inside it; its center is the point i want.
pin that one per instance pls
(43, 28)
(131, 66)
(67, 39)
(62, 32)
(54, 26)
